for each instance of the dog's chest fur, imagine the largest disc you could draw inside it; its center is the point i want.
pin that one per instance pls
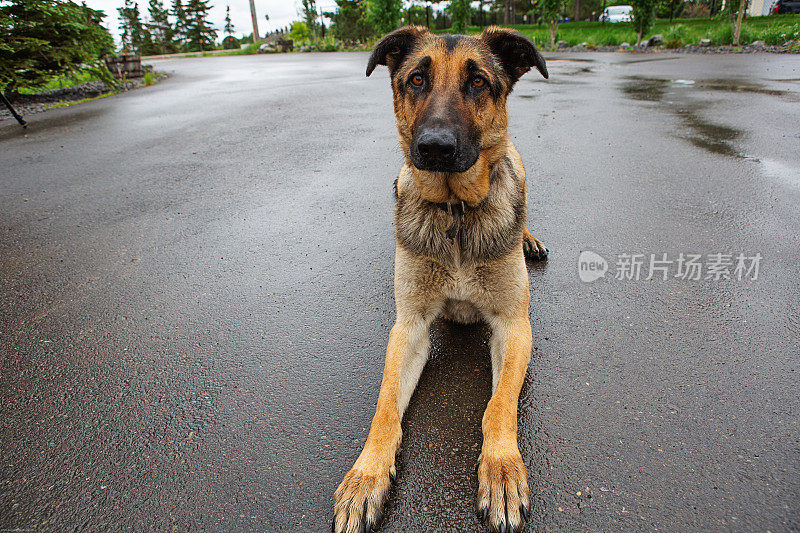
(457, 238)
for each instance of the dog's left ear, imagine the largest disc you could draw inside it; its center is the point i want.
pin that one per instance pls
(391, 50)
(516, 53)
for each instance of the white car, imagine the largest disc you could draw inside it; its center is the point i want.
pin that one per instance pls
(616, 14)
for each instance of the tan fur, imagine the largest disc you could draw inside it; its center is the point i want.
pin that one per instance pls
(485, 278)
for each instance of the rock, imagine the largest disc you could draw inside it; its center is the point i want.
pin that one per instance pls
(266, 47)
(758, 44)
(625, 45)
(705, 42)
(562, 44)
(655, 40)
(583, 45)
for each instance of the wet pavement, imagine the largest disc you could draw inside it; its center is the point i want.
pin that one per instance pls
(196, 287)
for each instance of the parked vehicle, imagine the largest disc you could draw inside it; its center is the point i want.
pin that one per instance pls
(786, 6)
(619, 14)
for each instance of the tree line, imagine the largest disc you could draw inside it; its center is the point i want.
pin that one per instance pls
(359, 21)
(182, 27)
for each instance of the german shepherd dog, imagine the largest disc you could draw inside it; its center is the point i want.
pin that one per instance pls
(462, 240)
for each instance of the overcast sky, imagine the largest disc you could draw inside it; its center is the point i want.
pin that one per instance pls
(281, 13)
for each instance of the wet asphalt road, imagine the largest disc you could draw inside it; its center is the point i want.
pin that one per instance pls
(196, 286)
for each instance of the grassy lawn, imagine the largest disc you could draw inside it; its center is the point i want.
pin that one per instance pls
(774, 29)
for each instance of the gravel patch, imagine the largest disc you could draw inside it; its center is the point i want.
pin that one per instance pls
(29, 104)
(792, 47)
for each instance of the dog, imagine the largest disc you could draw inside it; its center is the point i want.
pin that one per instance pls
(462, 240)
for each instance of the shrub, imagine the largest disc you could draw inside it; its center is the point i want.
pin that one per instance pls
(696, 10)
(777, 35)
(299, 31)
(676, 36)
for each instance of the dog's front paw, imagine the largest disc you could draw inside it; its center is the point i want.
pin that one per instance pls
(359, 500)
(503, 501)
(534, 249)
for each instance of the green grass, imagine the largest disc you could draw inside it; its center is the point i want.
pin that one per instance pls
(67, 103)
(774, 29)
(60, 82)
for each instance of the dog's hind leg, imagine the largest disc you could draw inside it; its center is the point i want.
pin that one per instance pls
(503, 499)
(359, 500)
(534, 249)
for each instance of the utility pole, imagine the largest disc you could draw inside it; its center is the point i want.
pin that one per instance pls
(253, 15)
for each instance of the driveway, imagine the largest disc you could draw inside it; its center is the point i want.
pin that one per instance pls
(196, 288)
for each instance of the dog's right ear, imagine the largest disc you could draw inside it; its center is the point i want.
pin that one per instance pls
(391, 50)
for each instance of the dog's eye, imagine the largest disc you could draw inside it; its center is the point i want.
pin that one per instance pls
(478, 81)
(417, 80)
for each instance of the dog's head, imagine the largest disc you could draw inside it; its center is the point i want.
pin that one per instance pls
(450, 103)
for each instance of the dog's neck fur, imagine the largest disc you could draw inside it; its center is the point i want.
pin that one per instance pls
(491, 229)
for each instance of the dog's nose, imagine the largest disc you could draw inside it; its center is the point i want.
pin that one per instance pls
(437, 145)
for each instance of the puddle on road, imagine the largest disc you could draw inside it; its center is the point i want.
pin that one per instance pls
(582, 70)
(669, 96)
(567, 59)
(648, 60)
(714, 138)
(741, 86)
(645, 89)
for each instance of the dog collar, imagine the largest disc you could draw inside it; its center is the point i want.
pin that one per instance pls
(457, 211)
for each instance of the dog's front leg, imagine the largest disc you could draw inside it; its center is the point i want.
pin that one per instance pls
(502, 478)
(359, 500)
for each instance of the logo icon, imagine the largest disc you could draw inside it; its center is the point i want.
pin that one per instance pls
(591, 266)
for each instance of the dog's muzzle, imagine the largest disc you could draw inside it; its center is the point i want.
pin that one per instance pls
(439, 150)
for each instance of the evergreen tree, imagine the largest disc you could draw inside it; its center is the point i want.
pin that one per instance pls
(40, 39)
(200, 34)
(179, 29)
(160, 29)
(384, 14)
(130, 24)
(228, 24)
(350, 23)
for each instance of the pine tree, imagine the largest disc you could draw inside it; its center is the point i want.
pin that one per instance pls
(130, 24)
(159, 27)
(40, 39)
(350, 22)
(228, 24)
(200, 34)
(179, 29)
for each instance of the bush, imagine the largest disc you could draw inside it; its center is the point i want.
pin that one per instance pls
(230, 43)
(676, 36)
(299, 31)
(777, 35)
(723, 36)
(696, 10)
